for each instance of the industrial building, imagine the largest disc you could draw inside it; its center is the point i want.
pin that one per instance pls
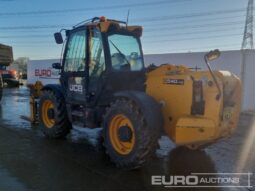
(233, 61)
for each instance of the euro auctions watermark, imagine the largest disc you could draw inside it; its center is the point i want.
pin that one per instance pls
(204, 180)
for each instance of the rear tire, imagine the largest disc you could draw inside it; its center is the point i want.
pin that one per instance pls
(53, 115)
(145, 126)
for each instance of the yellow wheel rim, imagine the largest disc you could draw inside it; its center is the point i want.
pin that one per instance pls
(121, 147)
(47, 105)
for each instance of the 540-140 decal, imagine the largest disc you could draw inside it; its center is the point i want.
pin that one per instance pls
(173, 81)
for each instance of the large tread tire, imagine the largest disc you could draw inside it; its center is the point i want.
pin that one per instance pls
(146, 121)
(62, 125)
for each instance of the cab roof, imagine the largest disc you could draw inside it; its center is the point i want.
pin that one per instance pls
(105, 25)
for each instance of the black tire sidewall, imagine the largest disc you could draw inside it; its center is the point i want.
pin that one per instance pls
(133, 119)
(44, 98)
(145, 116)
(60, 128)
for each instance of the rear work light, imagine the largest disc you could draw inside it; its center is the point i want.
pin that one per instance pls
(198, 103)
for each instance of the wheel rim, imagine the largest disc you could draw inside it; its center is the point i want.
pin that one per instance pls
(122, 147)
(46, 107)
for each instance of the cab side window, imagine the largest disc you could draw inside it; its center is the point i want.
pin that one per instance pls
(75, 55)
(97, 59)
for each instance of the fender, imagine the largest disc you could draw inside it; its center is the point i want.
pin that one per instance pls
(56, 88)
(142, 99)
(138, 97)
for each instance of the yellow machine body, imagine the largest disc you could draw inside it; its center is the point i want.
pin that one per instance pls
(172, 87)
(220, 116)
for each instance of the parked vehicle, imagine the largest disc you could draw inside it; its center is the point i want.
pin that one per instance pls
(6, 58)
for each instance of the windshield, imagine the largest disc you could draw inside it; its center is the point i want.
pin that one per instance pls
(125, 52)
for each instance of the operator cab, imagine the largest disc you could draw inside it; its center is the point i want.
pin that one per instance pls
(101, 57)
(125, 53)
(123, 42)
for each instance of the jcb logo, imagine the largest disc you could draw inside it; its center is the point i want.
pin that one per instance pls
(76, 88)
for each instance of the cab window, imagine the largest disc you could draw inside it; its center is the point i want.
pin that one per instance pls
(75, 54)
(97, 59)
(125, 52)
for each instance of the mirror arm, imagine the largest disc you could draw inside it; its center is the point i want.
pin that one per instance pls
(214, 78)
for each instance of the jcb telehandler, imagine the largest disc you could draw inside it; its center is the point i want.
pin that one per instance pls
(103, 82)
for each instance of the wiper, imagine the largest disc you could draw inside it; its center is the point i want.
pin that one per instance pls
(122, 55)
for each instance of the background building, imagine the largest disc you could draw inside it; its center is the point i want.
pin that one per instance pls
(229, 60)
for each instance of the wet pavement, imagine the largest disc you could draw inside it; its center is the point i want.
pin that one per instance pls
(28, 161)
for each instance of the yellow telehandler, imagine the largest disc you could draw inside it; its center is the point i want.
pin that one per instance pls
(103, 82)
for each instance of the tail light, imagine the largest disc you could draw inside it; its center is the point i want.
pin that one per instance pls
(13, 73)
(198, 103)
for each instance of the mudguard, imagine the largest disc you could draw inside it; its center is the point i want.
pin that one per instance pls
(56, 88)
(143, 100)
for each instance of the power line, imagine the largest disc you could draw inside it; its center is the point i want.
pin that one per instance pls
(22, 28)
(145, 36)
(63, 25)
(193, 26)
(134, 5)
(166, 18)
(192, 15)
(197, 38)
(166, 27)
(189, 33)
(130, 5)
(152, 19)
(147, 19)
(153, 41)
(26, 36)
(34, 27)
(33, 31)
(193, 21)
(197, 48)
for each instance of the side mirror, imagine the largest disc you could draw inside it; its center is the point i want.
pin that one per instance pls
(56, 66)
(213, 55)
(58, 38)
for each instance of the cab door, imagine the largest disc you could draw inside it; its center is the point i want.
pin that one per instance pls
(96, 66)
(73, 76)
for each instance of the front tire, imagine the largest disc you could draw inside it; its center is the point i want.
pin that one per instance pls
(53, 115)
(131, 133)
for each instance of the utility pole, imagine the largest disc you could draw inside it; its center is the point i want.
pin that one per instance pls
(247, 43)
(248, 29)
